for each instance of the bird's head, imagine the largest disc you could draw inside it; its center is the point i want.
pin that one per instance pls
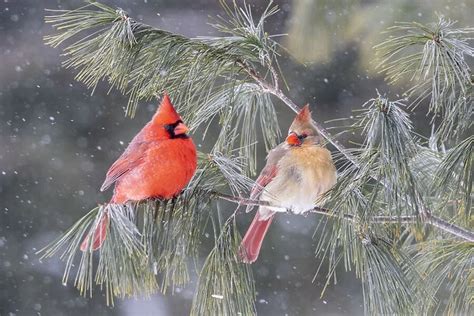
(302, 131)
(167, 117)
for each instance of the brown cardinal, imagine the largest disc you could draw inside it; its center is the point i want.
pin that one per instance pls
(158, 163)
(297, 173)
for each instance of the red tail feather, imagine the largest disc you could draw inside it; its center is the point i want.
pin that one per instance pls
(99, 234)
(252, 242)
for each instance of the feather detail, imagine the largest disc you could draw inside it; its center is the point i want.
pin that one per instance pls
(253, 239)
(304, 115)
(165, 169)
(132, 157)
(268, 172)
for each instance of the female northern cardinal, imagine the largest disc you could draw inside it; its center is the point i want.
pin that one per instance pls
(297, 173)
(158, 163)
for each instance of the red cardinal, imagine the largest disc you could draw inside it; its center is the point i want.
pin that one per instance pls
(158, 163)
(297, 173)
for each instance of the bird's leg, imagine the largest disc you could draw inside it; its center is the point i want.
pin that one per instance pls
(156, 208)
(168, 222)
(171, 210)
(149, 221)
(164, 204)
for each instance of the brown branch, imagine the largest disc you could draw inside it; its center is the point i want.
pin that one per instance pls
(426, 214)
(382, 219)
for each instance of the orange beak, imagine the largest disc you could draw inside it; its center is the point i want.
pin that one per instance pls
(293, 139)
(181, 129)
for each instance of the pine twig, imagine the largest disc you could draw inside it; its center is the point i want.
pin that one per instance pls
(450, 228)
(432, 220)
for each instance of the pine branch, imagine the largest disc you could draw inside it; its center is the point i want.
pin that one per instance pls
(219, 78)
(122, 268)
(428, 217)
(136, 58)
(382, 219)
(386, 272)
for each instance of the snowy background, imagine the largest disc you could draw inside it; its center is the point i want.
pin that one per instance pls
(57, 141)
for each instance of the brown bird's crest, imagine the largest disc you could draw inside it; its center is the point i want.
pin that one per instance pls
(302, 123)
(304, 115)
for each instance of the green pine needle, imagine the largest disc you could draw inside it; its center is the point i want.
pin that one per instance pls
(226, 285)
(122, 266)
(447, 265)
(242, 111)
(388, 148)
(454, 177)
(432, 58)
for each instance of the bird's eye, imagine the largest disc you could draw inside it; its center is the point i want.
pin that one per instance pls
(302, 136)
(169, 128)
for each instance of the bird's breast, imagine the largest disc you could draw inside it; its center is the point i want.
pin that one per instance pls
(304, 174)
(163, 172)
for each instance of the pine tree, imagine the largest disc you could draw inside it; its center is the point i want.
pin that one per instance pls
(399, 215)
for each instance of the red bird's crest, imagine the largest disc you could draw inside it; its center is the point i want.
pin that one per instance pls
(166, 114)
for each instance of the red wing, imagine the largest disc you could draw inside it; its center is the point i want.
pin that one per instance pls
(268, 172)
(132, 157)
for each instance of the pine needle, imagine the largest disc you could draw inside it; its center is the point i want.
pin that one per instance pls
(447, 266)
(455, 177)
(226, 285)
(432, 58)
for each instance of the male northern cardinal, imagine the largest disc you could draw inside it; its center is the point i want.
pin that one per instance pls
(158, 163)
(297, 173)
